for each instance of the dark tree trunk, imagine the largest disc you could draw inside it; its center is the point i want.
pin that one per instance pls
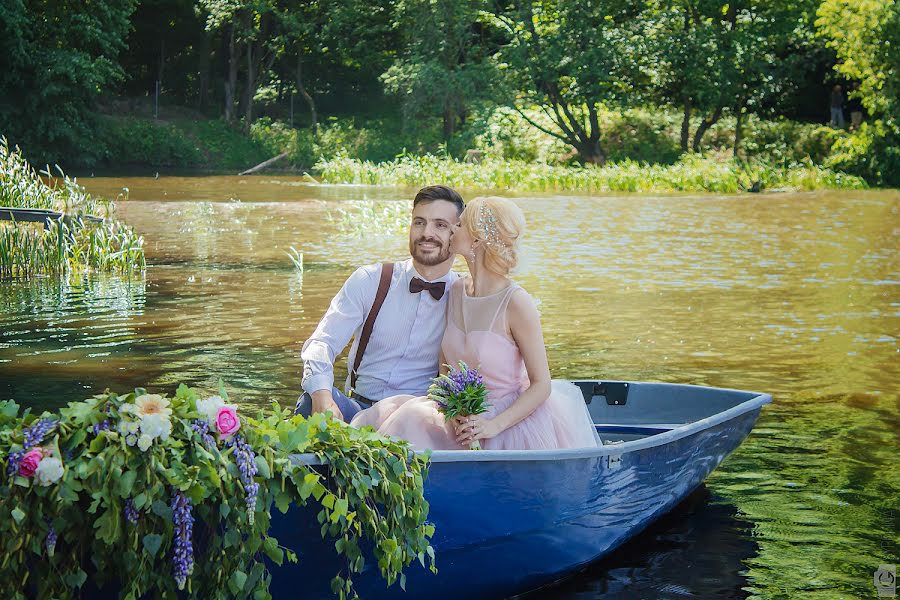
(739, 125)
(704, 127)
(162, 61)
(309, 99)
(591, 153)
(686, 124)
(251, 89)
(449, 121)
(203, 71)
(231, 80)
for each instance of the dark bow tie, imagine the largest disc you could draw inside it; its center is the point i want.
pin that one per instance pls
(436, 289)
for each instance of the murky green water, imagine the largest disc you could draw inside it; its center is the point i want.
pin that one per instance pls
(792, 294)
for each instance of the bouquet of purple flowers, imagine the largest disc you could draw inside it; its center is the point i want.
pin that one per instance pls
(460, 393)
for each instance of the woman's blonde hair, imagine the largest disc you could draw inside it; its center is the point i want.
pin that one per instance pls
(500, 224)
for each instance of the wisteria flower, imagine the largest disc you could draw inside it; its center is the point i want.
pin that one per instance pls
(49, 471)
(30, 462)
(227, 421)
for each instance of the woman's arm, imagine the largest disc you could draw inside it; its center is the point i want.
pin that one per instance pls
(525, 326)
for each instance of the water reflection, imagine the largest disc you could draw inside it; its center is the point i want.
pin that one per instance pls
(704, 531)
(792, 294)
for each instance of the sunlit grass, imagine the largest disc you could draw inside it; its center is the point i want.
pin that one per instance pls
(690, 174)
(31, 249)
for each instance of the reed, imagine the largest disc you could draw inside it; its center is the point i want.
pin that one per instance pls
(692, 173)
(75, 245)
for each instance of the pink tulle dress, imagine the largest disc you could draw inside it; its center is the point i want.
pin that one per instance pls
(478, 335)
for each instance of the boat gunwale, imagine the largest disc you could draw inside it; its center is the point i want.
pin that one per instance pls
(660, 439)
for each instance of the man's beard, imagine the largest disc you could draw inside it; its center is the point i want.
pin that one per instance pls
(431, 259)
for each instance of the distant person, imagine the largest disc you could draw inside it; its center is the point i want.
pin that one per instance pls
(837, 107)
(404, 340)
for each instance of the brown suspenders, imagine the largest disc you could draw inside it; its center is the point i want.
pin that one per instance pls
(387, 269)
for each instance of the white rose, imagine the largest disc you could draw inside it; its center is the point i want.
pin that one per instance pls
(209, 408)
(156, 426)
(144, 442)
(49, 471)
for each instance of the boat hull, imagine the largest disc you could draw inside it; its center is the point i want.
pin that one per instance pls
(508, 526)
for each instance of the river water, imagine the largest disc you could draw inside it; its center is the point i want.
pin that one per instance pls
(791, 294)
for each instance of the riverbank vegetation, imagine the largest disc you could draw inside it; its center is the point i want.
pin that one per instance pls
(74, 242)
(223, 84)
(690, 174)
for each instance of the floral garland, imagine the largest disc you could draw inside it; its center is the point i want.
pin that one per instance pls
(117, 490)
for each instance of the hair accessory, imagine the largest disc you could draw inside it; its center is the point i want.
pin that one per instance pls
(487, 226)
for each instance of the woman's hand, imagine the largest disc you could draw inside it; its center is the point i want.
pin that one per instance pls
(472, 428)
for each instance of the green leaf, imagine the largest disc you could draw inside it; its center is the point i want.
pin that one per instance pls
(18, 514)
(76, 579)
(283, 501)
(140, 500)
(232, 538)
(161, 509)
(126, 483)
(262, 467)
(270, 547)
(108, 526)
(239, 578)
(152, 542)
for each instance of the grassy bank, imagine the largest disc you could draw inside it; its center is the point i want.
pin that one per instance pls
(69, 245)
(690, 174)
(642, 147)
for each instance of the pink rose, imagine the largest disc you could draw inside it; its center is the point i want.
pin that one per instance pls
(227, 421)
(30, 462)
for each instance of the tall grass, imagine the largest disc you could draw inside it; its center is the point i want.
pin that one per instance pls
(31, 249)
(690, 174)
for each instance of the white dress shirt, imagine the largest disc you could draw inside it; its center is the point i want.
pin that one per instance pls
(403, 351)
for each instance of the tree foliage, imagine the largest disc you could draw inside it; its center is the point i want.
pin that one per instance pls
(59, 55)
(865, 35)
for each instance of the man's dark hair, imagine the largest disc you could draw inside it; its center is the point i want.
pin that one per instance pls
(440, 192)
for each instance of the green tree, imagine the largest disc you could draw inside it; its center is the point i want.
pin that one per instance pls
(59, 55)
(445, 68)
(715, 56)
(567, 57)
(865, 35)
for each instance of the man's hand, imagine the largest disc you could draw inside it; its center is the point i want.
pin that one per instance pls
(322, 401)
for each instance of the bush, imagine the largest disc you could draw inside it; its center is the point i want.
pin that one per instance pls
(135, 141)
(872, 152)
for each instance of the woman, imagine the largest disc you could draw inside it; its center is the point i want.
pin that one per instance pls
(493, 324)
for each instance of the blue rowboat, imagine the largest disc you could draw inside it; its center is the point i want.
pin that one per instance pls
(512, 521)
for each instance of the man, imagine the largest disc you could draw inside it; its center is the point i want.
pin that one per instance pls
(402, 354)
(837, 107)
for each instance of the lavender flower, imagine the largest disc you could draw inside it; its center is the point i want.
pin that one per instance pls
(131, 513)
(245, 459)
(50, 541)
(33, 436)
(102, 426)
(202, 428)
(183, 556)
(461, 392)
